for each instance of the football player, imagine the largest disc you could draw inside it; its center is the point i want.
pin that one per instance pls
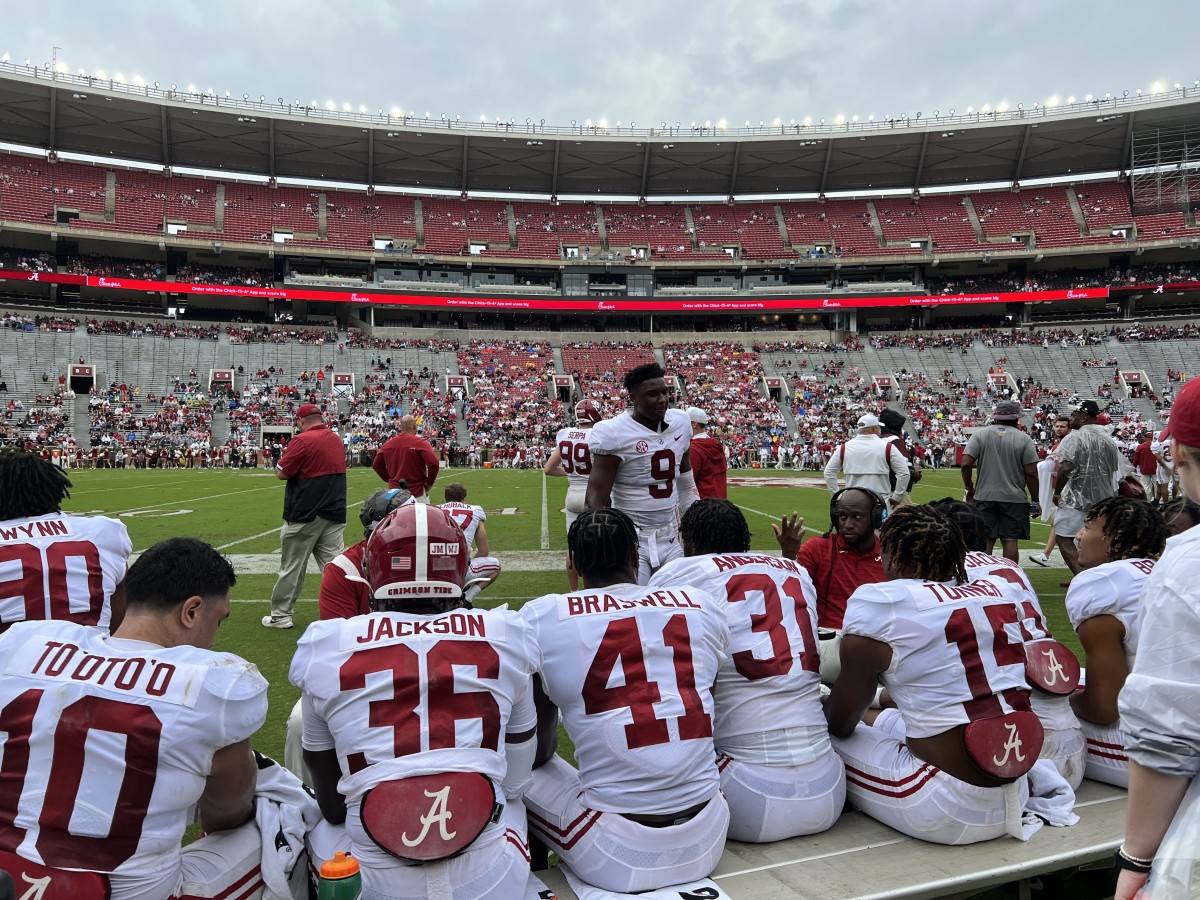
(631, 669)
(641, 466)
(571, 458)
(947, 763)
(1119, 542)
(778, 770)
(1064, 744)
(56, 566)
(419, 723)
(484, 568)
(113, 741)
(345, 591)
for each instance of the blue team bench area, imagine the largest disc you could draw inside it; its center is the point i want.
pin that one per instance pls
(860, 858)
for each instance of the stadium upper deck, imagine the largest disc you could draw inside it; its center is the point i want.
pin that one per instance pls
(332, 237)
(170, 127)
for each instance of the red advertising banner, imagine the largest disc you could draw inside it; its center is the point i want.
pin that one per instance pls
(343, 378)
(557, 304)
(1173, 287)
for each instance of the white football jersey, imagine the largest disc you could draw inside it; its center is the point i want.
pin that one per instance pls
(1112, 589)
(398, 694)
(1054, 711)
(644, 487)
(467, 516)
(575, 450)
(1161, 448)
(768, 691)
(955, 648)
(61, 566)
(115, 739)
(632, 669)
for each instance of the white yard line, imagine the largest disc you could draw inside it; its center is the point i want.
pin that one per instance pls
(255, 537)
(181, 503)
(773, 518)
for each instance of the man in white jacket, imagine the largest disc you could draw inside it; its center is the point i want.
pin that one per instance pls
(866, 460)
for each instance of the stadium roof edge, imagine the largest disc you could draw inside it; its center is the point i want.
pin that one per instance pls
(144, 124)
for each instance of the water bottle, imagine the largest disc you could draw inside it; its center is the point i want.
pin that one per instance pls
(340, 878)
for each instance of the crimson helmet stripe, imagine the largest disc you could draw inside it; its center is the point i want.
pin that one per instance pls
(422, 548)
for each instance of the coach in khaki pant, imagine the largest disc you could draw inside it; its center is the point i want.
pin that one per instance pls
(314, 508)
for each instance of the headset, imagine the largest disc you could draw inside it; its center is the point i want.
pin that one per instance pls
(878, 508)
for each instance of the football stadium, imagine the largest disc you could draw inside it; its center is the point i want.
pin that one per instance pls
(191, 281)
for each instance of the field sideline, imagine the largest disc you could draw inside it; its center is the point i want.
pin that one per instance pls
(238, 511)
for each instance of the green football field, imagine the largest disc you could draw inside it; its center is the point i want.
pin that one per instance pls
(238, 511)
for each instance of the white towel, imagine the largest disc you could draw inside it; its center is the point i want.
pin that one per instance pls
(284, 810)
(705, 887)
(1050, 797)
(1045, 470)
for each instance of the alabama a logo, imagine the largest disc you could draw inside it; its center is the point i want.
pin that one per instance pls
(439, 814)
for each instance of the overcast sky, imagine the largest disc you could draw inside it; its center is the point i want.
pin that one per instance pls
(642, 61)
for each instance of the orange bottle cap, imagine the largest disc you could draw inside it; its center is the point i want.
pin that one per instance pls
(341, 866)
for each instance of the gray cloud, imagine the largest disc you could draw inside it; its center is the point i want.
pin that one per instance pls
(640, 60)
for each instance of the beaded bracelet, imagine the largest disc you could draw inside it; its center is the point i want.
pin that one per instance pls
(1123, 860)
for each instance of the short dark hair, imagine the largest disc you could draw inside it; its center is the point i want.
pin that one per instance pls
(1134, 528)
(634, 378)
(456, 492)
(1189, 509)
(601, 541)
(30, 486)
(175, 569)
(712, 525)
(969, 520)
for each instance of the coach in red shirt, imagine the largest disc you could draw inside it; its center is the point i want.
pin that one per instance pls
(841, 561)
(708, 457)
(314, 508)
(1145, 463)
(408, 458)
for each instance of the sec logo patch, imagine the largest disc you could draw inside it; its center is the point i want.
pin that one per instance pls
(641, 446)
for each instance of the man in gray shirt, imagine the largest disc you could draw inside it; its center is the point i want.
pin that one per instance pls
(1088, 461)
(1007, 462)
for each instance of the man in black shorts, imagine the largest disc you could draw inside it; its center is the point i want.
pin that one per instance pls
(1007, 462)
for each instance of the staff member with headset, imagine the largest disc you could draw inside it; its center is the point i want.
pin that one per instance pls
(840, 561)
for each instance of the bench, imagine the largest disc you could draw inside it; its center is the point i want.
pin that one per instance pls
(862, 858)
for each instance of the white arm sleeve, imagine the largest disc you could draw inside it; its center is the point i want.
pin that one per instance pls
(686, 483)
(519, 757)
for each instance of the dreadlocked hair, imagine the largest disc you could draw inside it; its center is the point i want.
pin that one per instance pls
(635, 377)
(924, 544)
(714, 526)
(601, 541)
(30, 486)
(1134, 528)
(968, 519)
